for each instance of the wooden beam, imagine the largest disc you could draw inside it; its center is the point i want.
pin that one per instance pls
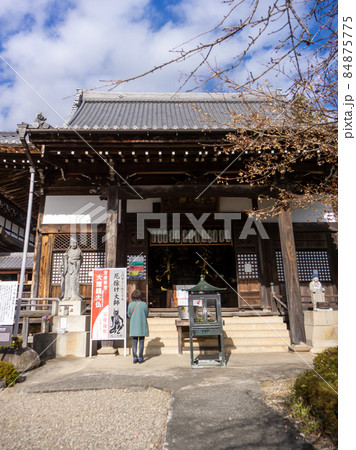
(174, 190)
(289, 257)
(72, 228)
(190, 191)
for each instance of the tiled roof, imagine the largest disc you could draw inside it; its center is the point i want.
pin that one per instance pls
(9, 137)
(160, 111)
(13, 261)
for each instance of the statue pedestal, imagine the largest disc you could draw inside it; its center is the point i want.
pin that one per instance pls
(321, 329)
(72, 328)
(69, 308)
(107, 348)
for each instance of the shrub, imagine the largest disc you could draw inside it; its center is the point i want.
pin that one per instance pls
(317, 388)
(16, 343)
(8, 372)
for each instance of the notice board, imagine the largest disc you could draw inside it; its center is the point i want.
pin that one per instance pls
(108, 305)
(8, 293)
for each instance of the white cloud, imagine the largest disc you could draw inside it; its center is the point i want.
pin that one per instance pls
(59, 46)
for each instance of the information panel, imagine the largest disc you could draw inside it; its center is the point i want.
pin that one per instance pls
(5, 335)
(8, 293)
(108, 308)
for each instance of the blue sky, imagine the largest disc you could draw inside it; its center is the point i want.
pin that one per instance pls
(56, 46)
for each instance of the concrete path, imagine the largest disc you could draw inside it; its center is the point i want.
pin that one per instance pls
(211, 408)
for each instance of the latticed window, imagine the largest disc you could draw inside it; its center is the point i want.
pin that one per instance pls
(93, 249)
(86, 241)
(247, 266)
(308, 262)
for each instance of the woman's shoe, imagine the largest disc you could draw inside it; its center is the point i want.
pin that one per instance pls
(141, 360)
(135, 360)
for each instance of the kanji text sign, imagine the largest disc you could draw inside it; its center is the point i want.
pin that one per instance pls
(8, 292)
(108, 311)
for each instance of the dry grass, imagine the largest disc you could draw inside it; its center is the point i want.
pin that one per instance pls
(277, 395)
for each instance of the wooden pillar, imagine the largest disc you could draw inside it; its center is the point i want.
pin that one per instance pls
(121, 238)
(111, 227)
(265, 277)
(107, 347)
(270, 254)
(37, 251)
(289, 257)
(44, 286)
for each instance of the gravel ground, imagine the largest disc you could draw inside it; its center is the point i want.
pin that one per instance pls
(89, 419)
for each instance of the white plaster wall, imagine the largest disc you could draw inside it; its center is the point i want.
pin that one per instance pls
(145, 205)
(72, 209)
(234, 204)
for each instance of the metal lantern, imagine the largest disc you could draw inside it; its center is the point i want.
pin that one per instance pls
(205, 320)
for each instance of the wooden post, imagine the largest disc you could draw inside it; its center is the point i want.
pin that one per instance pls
(24, 332)
(107, 347)
(37, 253)
(122, 237)
(265, 273)
(44, 286)
(111, 227)
(289, 257)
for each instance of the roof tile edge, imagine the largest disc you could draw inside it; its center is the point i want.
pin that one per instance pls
(172, 97)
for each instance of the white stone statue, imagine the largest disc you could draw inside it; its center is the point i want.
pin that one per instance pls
(72, 260)
(316, 291)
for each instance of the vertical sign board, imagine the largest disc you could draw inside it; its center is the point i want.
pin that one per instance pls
(108, 307)
(8, 293)
(136, 267)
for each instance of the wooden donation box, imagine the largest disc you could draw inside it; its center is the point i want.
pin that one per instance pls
(205, 321)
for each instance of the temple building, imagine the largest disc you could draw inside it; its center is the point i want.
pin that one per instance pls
(133, 176)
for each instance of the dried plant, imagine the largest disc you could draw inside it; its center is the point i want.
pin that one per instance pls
(289, 144)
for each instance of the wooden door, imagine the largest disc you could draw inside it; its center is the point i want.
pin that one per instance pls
(248, 279)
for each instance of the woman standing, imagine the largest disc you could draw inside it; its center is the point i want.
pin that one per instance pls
(137, 313)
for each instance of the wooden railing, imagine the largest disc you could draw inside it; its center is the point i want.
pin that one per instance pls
(32, 310)
(278, 300)
(277, 304)
(331, 301)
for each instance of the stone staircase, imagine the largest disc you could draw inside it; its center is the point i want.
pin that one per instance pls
(247, 334)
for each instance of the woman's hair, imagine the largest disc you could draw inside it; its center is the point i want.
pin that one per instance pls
(136, 295)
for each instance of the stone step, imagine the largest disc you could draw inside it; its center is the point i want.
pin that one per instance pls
(242, 334)
(227, 320)
(233, 333)
(156, 328)
(229, 328)
(242, 349)
(161, 320)
(160, 351)
(252, 333)
(253, 319)
(164, 334)
(254, 326)
(259, 349)
(210, 342)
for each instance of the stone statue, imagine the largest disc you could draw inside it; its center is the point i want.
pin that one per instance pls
(316, 291)
(72, 260)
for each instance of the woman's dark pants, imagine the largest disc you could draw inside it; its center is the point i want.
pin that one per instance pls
(140, 346)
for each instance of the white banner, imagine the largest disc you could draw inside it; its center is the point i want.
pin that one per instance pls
(8, 294)
(108, 306)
